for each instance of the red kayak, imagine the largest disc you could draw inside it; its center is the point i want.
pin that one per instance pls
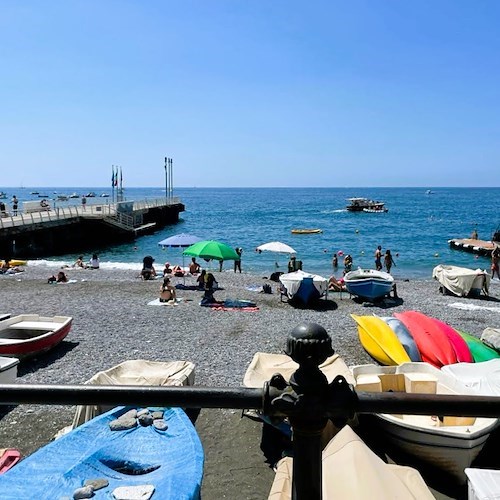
(8, 458)
(433, 344)
(457, 342)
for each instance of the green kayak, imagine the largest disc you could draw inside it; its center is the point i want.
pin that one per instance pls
(480, 352)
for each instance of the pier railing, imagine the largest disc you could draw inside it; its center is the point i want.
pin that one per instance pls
(90, 210)
(308, 401)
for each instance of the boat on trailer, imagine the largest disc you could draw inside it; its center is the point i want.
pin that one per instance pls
(31, 334)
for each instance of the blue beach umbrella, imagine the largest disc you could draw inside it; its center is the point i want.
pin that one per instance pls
(179, 240)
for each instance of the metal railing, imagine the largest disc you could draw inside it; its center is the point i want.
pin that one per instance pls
(73, 211)
(307, 400)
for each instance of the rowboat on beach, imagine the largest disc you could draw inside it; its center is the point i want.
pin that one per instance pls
(31, 334)
(352, 471)
(146, 450)
(448, 443)
(368, 284)
(138, 372)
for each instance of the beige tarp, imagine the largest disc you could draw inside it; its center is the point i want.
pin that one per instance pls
(135, 372)
(264, 366)
(460, 280)
(352, 471)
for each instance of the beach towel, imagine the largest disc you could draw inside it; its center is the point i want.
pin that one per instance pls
(254, 288)
(156, 302)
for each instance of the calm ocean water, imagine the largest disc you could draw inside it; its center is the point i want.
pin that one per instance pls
(416, 229)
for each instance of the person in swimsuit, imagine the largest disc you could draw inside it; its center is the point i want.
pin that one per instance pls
(378, 258)
(167, 291)
(388, 261)
(495, 255)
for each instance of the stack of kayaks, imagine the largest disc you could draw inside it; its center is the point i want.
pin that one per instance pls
(413, 336)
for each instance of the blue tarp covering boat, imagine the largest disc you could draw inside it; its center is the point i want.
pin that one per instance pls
(170, 460)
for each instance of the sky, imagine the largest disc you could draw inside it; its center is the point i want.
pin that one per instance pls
(250, 93)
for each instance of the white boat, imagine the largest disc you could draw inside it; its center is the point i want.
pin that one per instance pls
(462, 281)
(352, 471)
(448, 443)
(133, 372)
(484, 377)
(359, 205)
(31, 334)
(369, 284)
(381, 210)
(74, 195)
(303, 287)
(8, 370)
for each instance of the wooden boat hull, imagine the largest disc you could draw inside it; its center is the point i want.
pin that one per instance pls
(171, 460)
(380, 341)
(432, 343)
(368, 283)
(451, 444)
(30, 334)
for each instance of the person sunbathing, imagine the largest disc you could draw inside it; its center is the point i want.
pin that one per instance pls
(335, 285)
(167, 291)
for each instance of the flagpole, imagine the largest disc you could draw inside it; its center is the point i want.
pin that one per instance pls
(166, 180)
(113, 183)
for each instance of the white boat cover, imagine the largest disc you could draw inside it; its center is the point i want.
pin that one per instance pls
(264, 365)
(484, 484)
(136, 372)
(352, 471)
(491, 337)
(291, 281)
(460, 280)
(483, 377)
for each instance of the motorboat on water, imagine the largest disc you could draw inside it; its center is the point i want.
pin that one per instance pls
(368, 284)
(91, 194)
(31, 334)
(306, 231)
(74, 195)
(3, 195)
(381, 210)
(104, 195)
(360, 204)
(445, 442)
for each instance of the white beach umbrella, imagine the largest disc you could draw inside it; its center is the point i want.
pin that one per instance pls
(277, 247)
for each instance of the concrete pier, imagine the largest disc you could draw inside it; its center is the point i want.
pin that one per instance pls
(80, 228)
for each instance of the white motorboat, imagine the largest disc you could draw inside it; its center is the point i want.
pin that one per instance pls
(446, 442)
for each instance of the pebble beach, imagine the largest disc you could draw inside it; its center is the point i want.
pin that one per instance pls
(112, 322)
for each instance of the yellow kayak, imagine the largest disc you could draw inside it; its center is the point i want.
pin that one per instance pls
(306, 231)
(15, 262)
(380, 341)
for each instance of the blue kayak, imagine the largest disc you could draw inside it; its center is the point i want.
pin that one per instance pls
(170, 460)
(404, 336)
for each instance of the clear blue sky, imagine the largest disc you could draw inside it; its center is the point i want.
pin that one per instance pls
(250, 93)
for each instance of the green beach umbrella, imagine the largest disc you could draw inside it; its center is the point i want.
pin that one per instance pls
(212, 250)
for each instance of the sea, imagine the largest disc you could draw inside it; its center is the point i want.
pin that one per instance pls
(416, 228)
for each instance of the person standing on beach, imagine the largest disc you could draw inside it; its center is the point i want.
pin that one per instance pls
(495, 255)
(388, 261)
(237, 263)
(347, 264)
(378, 258)
(15, 203)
